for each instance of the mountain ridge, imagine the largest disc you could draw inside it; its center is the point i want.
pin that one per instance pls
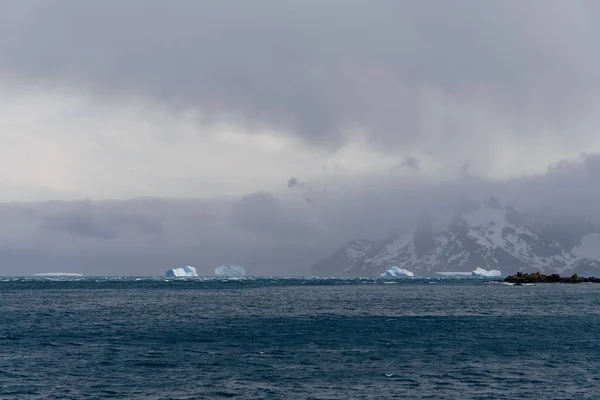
(467, 235)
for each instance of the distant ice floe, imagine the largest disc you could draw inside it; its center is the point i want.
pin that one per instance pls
(58, 274)
(454, 274)
(479, 272)
(181, 272)
(233, 270)
(396, 272)
(484, 272)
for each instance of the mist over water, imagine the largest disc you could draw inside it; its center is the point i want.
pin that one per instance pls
(293, 338)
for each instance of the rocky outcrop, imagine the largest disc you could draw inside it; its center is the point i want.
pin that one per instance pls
(537, 277)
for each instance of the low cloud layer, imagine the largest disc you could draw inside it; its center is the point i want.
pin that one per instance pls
(262, 213)
(268, 233)
(81, 219)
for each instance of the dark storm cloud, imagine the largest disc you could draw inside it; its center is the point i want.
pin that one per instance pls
(315, 67)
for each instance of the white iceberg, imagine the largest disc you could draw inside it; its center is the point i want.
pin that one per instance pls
(58, 274)
(483, 272)
(233, 270)
(179, 272)
(396, 272)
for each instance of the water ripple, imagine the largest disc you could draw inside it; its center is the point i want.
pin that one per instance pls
(296, 339)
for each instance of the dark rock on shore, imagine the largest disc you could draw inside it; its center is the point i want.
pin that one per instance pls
(537, 277)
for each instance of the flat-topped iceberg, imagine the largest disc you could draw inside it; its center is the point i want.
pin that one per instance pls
(58, 274)
(232, 270)
(181, 272)
(454, 274)
(396, 272)
(484, 272)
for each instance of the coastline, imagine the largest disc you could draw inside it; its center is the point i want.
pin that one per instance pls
(537, 277)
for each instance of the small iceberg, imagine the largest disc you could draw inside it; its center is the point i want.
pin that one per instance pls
(233, 270)
(483, 272)
(58, 274)
(181, 272)
(396, 272)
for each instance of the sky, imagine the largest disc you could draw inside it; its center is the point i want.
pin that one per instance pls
(141, 135)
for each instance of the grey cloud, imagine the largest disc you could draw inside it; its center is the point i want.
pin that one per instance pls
(313, 67)
(568, 185)
(411, 163)
(84, 219)
(308, 199)
(316, 195)
(79, 222)
(262, 213)
(388, 206)
(294, 182)
(137, 222)
(464, 170)
(268, 233)
(591, 164)
(310, 195)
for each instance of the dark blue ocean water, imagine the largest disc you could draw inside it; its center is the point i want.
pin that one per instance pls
(297, 339)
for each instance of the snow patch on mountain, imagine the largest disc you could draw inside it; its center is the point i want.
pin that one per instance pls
(390, 251)
(358, 249)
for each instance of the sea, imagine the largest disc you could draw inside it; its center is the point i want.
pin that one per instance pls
(297, 338)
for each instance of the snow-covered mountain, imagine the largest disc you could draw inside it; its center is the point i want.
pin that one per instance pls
(468, 235)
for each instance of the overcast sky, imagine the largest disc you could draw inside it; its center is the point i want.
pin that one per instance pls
(295, 124)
